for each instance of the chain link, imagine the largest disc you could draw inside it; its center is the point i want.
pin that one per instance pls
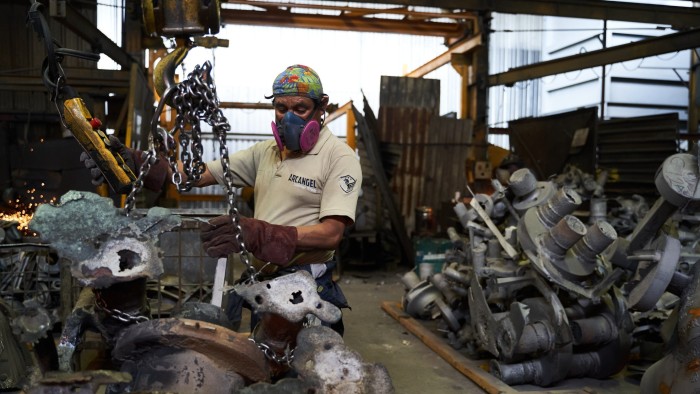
(195, 100)
(285, 359)
(116, 313)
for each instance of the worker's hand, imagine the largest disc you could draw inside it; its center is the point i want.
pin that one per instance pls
(115, 146)
(268, 242)
(155, 179)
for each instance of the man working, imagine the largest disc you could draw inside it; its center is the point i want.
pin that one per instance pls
(306, 184)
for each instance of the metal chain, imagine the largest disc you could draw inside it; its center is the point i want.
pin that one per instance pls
(138, 183)
(195, 100)
(116, 313)
(270, 354)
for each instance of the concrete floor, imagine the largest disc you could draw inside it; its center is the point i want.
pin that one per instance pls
(378, 338)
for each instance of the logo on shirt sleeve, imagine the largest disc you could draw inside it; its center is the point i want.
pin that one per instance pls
(347, 183)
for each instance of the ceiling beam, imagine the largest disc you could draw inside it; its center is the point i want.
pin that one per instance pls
(587, 9)
(357, 11)
(341, 22)
(80, 25)
(462, 46)
(620, 53)
(85, 80)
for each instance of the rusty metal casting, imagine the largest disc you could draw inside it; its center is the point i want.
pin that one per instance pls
(103, 245)
(679, 371)
(291, 296)
(323, 358)
(188, 356)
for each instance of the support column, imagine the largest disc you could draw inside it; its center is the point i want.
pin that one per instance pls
(474, 69)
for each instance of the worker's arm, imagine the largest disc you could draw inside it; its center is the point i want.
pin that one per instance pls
(325, 235)
(270, 242)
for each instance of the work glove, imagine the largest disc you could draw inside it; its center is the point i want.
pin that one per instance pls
(268, 242)
(116, 147)
(133, 158)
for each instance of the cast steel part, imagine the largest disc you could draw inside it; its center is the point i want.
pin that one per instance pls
(555, 310)
(677, 181)
(598, 209)
(230, 352)
(103, 245)
(177, 18)
(538, 220)
(410, 280)
(419, 301)
(447, 314)
(322, 358)
(507, 248)
(585, 278)
(678, 371)
(292, 296)
(654, 273)
(54, 382)
(585, 184)
(529, 193)
(485, 202)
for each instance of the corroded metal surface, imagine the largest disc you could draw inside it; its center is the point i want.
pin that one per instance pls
(679, 371)
(323, 358)
(229, 351)
(292, 296)
(103, 245)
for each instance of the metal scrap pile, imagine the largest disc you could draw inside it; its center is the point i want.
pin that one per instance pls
(192, 350)
(547, 297)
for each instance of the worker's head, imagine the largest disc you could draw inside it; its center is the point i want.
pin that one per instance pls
(299, 103)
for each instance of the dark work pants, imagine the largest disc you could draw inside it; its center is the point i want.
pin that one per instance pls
(327, 289)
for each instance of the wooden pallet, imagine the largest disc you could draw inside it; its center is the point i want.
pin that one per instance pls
(477, 370)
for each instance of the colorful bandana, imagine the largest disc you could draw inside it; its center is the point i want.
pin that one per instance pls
(298, 80)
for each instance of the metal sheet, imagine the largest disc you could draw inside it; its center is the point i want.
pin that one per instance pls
(546, 144)
(633, 149)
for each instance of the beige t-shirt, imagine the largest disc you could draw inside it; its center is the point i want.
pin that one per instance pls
(298, 191)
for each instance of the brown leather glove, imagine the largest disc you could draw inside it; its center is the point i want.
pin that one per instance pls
(268, 242)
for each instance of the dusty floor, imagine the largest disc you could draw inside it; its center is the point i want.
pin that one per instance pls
(413, 367)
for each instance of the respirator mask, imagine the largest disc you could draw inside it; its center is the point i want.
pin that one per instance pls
(295, 132)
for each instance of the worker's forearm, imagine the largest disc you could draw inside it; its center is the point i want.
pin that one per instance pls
(326, 235)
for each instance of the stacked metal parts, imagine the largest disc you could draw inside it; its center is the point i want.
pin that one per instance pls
(547, 297)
